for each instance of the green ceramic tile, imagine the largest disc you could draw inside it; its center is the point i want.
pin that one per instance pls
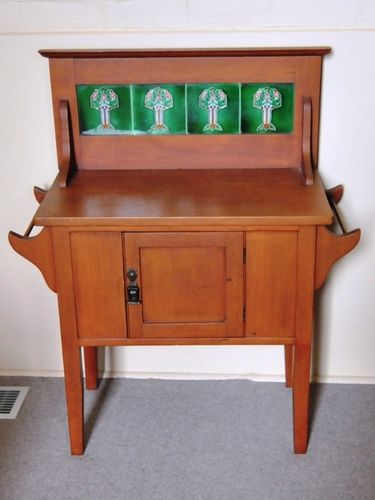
(212, 108)
(225, 119)
(282, 115)
(159, 108)
(120, 119)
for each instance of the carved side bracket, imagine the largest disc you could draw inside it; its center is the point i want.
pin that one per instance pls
(39, 194)
(66, 159)
(307, 162)
(38, 250)
(335, 194)
(330, 246)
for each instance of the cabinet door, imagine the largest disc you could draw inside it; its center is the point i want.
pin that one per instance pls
(271, 274)
(191, 284)
(98, 275)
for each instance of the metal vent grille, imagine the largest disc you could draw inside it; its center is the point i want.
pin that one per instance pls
(11, 399)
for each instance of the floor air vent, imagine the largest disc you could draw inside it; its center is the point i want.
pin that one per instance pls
(11, 399)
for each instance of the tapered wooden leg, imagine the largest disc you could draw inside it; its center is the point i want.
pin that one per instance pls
(91, 367)
(69, 339)
(301, 389)
(303, 332)
(288, 354)
(74, 397)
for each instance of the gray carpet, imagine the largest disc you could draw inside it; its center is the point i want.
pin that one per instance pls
(180, 440)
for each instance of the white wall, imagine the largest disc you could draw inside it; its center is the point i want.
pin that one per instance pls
(29, 331)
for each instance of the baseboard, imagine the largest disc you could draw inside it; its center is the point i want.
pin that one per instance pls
(254, 377)
(31, 373)
(342, 379)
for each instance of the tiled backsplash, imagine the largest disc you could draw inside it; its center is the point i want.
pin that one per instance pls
(207, 108)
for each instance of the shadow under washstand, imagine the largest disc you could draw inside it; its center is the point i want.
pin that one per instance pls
(94, 404)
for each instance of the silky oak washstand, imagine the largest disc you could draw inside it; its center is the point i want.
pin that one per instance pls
(187, 209)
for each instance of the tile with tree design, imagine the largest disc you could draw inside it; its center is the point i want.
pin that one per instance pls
(196, 108)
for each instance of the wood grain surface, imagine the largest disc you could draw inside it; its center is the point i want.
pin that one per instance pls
(178, 198)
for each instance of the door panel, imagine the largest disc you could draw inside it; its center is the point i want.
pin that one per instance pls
(271, 273)
(97, 263)
(201, 294)
(190, 284)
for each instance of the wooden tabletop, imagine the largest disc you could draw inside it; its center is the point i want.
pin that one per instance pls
(198, 52)
(171, 198)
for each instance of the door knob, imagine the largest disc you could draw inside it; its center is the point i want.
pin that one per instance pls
(132, 274)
